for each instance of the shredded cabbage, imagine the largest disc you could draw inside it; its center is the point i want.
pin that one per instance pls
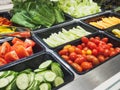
(79, 8)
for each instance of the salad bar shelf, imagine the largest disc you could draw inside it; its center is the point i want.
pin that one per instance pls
(61, 50)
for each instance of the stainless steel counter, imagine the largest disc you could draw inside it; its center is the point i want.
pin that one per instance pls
(95, 77)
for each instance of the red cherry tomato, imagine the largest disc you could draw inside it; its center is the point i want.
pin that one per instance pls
(79, 46)
(95, 52)
(79, 60)
(86, 65)
(65, 57)
(101, 58)
(105, 39)
(85, 40)
(106, 52)
(70, 62)
(63, 52)
(73, 56)
(77, 67)
(92, 45)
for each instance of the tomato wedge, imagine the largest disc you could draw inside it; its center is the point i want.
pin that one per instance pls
(11, 56)
(3, 61)
(29, 50)
(29, 42)
(16, 40)
(21, 51)
(5, 47)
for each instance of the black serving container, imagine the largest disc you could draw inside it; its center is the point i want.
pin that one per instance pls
(36, 49)
(34, 62)
(69, 25)
(109, 30)
(112, 40)
(98, 17)
(5, 15)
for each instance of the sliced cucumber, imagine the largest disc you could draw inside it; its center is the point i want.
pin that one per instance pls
(12, 86)
(7, 73)
(4, 82)
(34, 86)
(10, 78)
(39, 77)
(45, 86)
(58, 81)
(45, 64)
(26, 71)
(55, 67)
(50, 76)
(2, 73)
(31, 77)
(40, 69)
(22, 81)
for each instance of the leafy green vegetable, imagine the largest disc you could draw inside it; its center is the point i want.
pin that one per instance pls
(34, 13)
(79, 8)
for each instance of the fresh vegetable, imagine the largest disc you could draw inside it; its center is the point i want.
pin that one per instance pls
(5, 21)
(34, 14)
(79, 8)
(90, 53)
(29, 80)
(106, 22)
(17, 50)
(116, 32)
(56, 39)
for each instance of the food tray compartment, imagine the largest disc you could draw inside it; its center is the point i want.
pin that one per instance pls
(36, 48)
(34, 62)
(69, 25)
(115, 42)
(5, 14)
(98, 17)
(109, 30)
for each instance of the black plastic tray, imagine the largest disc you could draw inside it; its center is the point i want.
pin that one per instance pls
(5, 14)
(36, 49)
(34, 62)
(47, 32)
(98, 17)
(112, 40)
(109, 30)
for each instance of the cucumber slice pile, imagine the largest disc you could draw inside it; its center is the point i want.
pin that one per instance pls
(48, 75)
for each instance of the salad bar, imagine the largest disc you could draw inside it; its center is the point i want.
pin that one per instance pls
(65, 45)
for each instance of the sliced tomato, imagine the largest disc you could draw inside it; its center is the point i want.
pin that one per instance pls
(21, 51)
(18, 44)
(29, 50)
(16, 40)
(11, 56)
(5, 47)
(3, 60)
(29, 42)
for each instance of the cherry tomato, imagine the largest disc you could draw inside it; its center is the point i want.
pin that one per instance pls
(63, 52)
(70, 62)
(110, 45)
(86, 65)
(73, 56)
(92, 39)
(77, 67)
(79, 60)
(95, 52)
(101, 58)
(113, 53)
(83, 45)
(88, 52)
(79, 46)
(105, 39)
(67, 47)
(92, 45)
(71, 49)
(65, 57)
(78, 51)
(98, 38)
(100, 50)
(96, 41)
(85, 40)
(106, 52)
(95, 61)
(117, 49)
